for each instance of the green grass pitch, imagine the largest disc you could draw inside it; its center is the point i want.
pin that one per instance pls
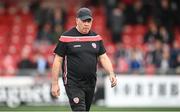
(93, 109)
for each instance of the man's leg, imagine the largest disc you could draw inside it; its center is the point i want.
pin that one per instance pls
(89, 94)
(76, 98)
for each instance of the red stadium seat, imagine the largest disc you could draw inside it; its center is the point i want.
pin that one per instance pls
(14, 49)
(150, 69)
(5, 20)
(177, 37)
(127, 46)
(127, 39)
(17, 29)
(137, 39)
(16, 39)
(70, 22)
(9, 65)
(1, 67)
(139, 29)
(111, 48)
(128, 29)
(122, 65)
(31, 28)
(4, 29)
(27, 18)
(49, 54)
(29, 39)
(100, 25)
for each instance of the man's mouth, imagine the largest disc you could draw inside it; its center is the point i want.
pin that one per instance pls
(86, 28)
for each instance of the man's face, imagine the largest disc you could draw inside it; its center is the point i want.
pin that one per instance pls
(84, 26)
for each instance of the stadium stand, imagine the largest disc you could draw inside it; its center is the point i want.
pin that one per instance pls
(22, 25)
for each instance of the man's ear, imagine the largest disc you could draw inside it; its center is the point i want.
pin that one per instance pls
(76, 20)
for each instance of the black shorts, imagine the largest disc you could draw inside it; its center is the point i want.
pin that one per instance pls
(80, 99)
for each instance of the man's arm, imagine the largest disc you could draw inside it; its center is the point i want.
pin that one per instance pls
(107, 65)
(56, 69)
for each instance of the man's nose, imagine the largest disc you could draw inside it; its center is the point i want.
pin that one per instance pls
(86, 23)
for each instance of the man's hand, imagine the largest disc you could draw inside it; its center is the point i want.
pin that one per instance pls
(107, 65)
(112, 78)
(55, 89)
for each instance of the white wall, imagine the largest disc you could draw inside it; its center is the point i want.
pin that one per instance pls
(144, 91)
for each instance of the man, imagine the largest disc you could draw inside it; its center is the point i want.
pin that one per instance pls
(76, 56)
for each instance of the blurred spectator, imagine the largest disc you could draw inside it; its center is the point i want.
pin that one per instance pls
(178, 64)
(174, 53)
(34, 6)
(165, 63)
(121, 51)
(43, 14)
(136, 13)
(25, 62)
(117, 23)
(56, 33)
(152, 34)
(46, 34)
(59, 21)
(94, 3)
(59, 17)
(175, 4)
(25, 65)
(164, 14)
(165, 36)
(136, 60)
(155, 56)
(109, 6)
(51, 21)
(2, 9)
(121, 55)
(41, 63)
